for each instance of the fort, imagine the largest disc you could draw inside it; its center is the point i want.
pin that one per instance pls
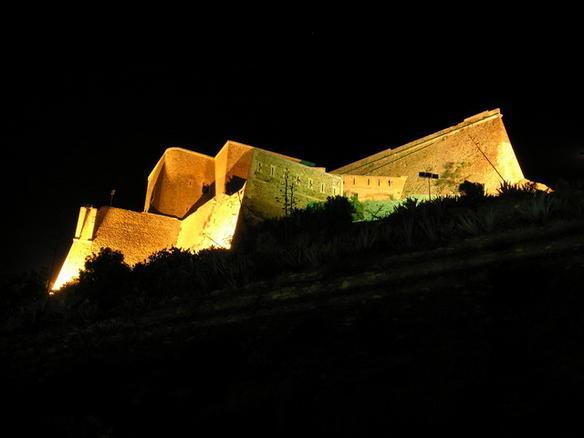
(195, 201)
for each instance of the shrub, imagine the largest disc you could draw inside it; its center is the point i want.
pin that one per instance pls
(517, 190)
(539, 208)
(216, 268)
(358, 208)
(472, 191)
(319, 237)
(569, 196)
(324, 219)
(104, 280)
(469, 223)
(165, 274)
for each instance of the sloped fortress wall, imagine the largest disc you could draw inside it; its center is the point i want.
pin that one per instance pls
(478, 150)
(136, 235)
(81, 247)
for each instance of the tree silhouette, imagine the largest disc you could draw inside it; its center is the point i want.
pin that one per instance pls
(287, 195)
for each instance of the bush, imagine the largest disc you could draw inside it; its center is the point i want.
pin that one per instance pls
(216, 268)
(321, 220)
(358, 208)
(104, 280)
(165, 274)
(474, 223)
(322, 236)
(472, 191)
(517, 190)
(539, 208)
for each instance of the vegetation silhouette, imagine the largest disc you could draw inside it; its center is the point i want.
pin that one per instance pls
(322, 236)
(500, 343)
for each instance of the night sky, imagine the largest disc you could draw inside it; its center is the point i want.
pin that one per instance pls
(77, 123)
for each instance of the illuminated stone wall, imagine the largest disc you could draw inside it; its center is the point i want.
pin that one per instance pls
(264, 191)
(178, 212)
(233, 160)
(136, 235)
(212, 225)
(177, 183)
(374, 188)
(153, 178)
(453, 154)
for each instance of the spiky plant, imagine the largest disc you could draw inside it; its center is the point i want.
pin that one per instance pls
(469, 223)
(539, 208)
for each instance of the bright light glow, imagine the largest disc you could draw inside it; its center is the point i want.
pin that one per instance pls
(213, 225)
(67, 274)
(74, 262)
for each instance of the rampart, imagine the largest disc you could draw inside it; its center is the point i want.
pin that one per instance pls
(478, 150)
(194, 201)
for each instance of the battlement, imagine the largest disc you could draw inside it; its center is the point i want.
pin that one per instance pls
(477, 149)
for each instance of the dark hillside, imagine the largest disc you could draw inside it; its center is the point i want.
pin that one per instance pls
(485, 331)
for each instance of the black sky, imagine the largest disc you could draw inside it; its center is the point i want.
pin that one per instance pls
(78, 120)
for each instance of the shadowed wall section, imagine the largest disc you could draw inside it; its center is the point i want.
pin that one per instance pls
(478, 150)
(233, 160)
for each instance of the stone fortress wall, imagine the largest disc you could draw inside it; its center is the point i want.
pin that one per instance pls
(265, 187)
(136, 234)
(232, 161)
(177, 182)
(374, 188)
(477, 150)
(211, 225)
(194, 201)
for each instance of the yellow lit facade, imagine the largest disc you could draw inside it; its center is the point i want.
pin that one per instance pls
(195, 201)
(477, 150)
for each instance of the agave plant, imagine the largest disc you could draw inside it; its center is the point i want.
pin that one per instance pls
(405, 231)
(430, 227)
(539, 208)
(469, 223)
(408, 207)
(364, 239)
(516, 190)
(488, 219)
